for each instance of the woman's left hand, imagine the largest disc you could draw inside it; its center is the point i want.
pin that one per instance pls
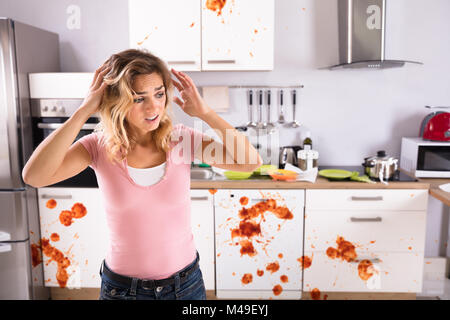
(192, 102)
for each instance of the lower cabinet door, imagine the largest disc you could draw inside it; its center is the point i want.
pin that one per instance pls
(259, 241)
(202, 222)
(74, 236)
(370, 272)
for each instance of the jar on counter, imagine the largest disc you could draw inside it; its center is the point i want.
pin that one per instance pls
(307, 159)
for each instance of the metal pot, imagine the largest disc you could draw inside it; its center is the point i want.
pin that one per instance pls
(380, 166)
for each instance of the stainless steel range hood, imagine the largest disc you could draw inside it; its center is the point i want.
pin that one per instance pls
(362, 28)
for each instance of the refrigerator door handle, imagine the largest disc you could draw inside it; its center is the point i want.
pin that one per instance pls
(4, 236)
(5, 247)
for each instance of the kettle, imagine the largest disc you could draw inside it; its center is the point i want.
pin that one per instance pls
(288, 154)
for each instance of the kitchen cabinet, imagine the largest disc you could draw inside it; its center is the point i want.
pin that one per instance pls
(75, 234)
(168, 29)
(259, 241)
(195, 35)
(240, 37)
(202, 222)
(365, 240)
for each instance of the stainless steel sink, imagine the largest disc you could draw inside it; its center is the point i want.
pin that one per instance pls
(201, 174)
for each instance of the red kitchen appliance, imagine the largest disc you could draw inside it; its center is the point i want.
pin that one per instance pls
(436, 125)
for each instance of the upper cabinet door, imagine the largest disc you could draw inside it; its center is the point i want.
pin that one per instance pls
(237, 36)
(168, 29)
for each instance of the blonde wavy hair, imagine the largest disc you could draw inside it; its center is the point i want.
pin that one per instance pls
(118, 99)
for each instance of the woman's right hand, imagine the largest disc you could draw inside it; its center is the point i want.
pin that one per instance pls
(95, 94)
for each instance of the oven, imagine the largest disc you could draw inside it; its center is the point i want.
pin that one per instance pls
(47, 116)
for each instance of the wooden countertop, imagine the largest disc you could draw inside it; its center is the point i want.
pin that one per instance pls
(435, 191)
(321, 183)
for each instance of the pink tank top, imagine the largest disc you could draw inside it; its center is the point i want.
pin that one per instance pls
(150, 228)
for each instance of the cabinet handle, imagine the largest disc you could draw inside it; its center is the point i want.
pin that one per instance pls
(181, 62)
(374, 260)
(199, 198)
(49, 196)
(377, 219)
(258, 200)
(53, 126)
(377, 198)
(221, 61)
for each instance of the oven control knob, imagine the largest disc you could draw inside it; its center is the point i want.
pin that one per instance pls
(61, 109)
(45, 109)
(54, 109)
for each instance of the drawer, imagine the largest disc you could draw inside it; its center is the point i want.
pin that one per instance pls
(368, 231)
(372, 199)
(393, 272)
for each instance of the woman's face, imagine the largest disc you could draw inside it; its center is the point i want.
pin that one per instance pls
(149, 103)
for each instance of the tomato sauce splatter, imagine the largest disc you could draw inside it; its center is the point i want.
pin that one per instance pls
(260, 273)
(273, 267)
(35, 255)
(54, 237)
(216, 5)
(277, 290)
(243, 201)
(192, 25)
(345, 250)
(249, 227)
(247, 278)
(247, 248)
(305, 262)
(212, 191)
(280, 255)
(315, 294)
(55, 255)
(365, 269)
(284, 278)
(78, 211)
(65, 217)
(51, 204)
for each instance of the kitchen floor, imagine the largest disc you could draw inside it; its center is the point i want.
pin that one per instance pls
(432, 290)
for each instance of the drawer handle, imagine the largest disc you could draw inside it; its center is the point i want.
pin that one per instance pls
(49, 196)
(377, 219)
(181, 62)
(199, 198)
(221, 61)
(258, 200)
(378, 198)
(374, 260)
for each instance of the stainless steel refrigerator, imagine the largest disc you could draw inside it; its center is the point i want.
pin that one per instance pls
(23, 49)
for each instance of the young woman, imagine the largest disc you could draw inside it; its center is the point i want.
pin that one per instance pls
(143, 176)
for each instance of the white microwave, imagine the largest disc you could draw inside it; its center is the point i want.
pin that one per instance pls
(425, 159)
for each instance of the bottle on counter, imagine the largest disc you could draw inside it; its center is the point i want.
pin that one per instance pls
(307, 142)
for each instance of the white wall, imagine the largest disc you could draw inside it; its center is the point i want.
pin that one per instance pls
(351, 113)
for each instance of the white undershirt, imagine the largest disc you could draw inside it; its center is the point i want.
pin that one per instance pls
(147, 176)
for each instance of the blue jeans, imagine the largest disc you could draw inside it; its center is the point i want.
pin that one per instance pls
(193, 288)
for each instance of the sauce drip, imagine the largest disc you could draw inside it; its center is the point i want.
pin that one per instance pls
(305, 262)
(273, 267)
(365, 269)
(216, 5)
(55, 255)
(345, 250)
(315, 294)
(54, 237)
(78, 211)
(247, 278)
(277, 290)
(51, 204)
